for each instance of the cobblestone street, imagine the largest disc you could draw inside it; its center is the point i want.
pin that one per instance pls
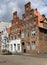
(22, 60)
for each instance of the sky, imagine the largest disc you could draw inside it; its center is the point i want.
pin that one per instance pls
(7, 7)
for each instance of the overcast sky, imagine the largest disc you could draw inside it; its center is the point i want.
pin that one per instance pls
(7, 7)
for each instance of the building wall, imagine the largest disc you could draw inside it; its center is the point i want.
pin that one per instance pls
(30, 21)
(15, 32)
(28, 31)
(14, 46)
(42, 40)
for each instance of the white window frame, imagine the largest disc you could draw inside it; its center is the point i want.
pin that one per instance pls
(28, 45)
(33, 45)
(18, 47)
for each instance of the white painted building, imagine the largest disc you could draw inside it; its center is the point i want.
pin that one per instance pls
(4, 33)
(14, 46)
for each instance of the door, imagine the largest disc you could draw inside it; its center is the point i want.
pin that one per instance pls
(23, 48)
(14, 47)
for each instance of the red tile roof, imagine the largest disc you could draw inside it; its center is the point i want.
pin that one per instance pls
(40, 18)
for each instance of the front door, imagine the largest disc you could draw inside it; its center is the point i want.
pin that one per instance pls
(23, 48)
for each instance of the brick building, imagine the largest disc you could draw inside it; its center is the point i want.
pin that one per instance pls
(15, 33)
(32, 30)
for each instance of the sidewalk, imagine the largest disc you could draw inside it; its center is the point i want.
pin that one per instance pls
(35, 55)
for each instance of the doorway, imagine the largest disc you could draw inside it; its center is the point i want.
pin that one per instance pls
(14, 47)
(23, 48)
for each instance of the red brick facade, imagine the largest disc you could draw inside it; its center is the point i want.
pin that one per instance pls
(32, 30)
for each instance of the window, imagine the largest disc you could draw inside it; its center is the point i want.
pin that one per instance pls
(7, 40)
(41, 21)
(41, 34)
(26, 25)
(19, 36)
(7, 46)
(35, 20)
(28, 46)
(14, 37)
(11, 37)
(33, 32)
(3, 47)
(27, 34)
(31, 13)
(23, 25)
(18, 45)
(33, 45)
(22, 34)
(30, 23)
(41, 30)
(11, 47)
(27, 9)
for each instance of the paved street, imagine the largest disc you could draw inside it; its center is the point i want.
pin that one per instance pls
(22, 60)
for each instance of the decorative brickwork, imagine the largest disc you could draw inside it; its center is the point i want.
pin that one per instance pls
(32, 32)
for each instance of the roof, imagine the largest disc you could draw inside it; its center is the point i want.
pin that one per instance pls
(40, 18)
